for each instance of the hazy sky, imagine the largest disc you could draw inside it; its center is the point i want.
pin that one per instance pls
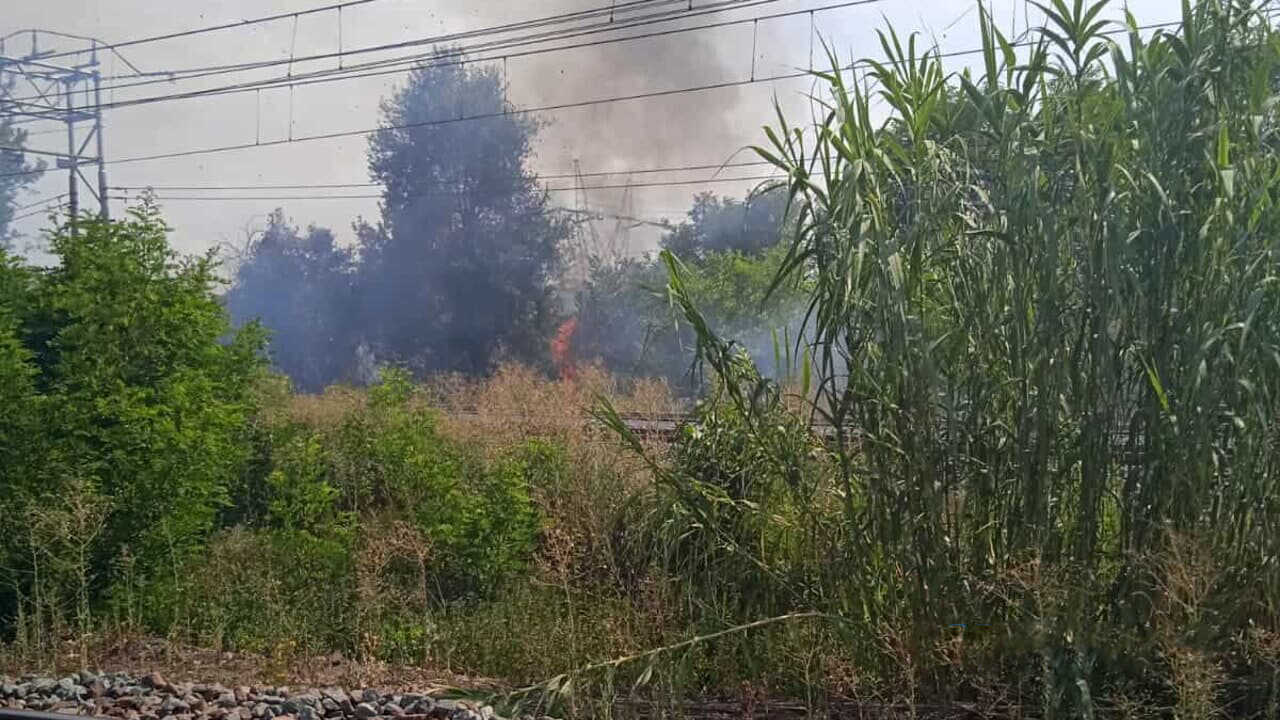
(689, 129)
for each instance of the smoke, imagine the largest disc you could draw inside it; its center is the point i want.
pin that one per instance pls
(655, 131)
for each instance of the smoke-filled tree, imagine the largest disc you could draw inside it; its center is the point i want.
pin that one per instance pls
(457, 273)
(733, 253)
(299, 286)
(719, 224)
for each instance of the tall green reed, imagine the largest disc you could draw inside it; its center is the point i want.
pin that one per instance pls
(1043, 326)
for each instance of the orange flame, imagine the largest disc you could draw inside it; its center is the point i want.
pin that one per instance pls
(562, 350)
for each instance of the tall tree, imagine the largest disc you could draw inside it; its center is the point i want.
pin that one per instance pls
(298, 285)
(457, 273)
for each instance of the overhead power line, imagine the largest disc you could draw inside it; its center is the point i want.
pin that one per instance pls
(613, 12)
(616, 20)
(375, 196)
(42, 201)
(529, 110)
(40, 211)
(222, 26)
(388, 66)
(540, 176)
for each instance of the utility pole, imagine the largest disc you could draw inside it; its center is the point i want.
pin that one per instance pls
(73, 192)
(34, 91)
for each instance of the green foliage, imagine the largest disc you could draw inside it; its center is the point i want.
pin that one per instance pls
(120, 359)
(301, 496)
(1044, 327)
(260, 590)
(726, 225)
(626, 322)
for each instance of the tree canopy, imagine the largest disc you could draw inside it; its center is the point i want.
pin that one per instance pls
(458, 271)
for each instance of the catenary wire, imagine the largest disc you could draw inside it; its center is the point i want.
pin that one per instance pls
(530, 110)
(539, 176)
(374, 196)
(550, 36)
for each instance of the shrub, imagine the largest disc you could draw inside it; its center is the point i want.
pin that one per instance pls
(140, 394)
(259, 590)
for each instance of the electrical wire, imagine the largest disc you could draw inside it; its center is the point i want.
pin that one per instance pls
(549, 36)
(42, 201)
(375, 196)
(46, 209)
(606, 10)
(530, 110)
(214, 28)
(539, 176)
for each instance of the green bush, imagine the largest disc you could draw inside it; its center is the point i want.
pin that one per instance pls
(140, 395)
(259, 590)
(357, 528)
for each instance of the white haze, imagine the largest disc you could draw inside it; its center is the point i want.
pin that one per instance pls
(689, 129)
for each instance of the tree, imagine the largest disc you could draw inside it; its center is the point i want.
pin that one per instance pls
(299, 287)
(142, 392)
(732, 251)
(457, 272)
(719, 224)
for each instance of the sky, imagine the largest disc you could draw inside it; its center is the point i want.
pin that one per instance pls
(698, 128)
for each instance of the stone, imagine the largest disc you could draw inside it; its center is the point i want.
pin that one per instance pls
(156, 681)
(392, 709)
(66, 688)
(260, 710)
(9, 688)
(174, 706)
(195, 702)
(365, 710)
(96, 688)
(423, 706)
(226, 700)
(43, 685)
(330, 707)
(242, 693)
(306, 712)
(336, 694)
(86, 678)
(369, 695)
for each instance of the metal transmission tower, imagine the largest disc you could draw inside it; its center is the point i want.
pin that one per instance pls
(582, 243)
(34, 90)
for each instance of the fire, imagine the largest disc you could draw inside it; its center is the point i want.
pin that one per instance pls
(562, 350)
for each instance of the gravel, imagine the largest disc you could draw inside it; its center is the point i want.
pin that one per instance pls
(152, 697)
